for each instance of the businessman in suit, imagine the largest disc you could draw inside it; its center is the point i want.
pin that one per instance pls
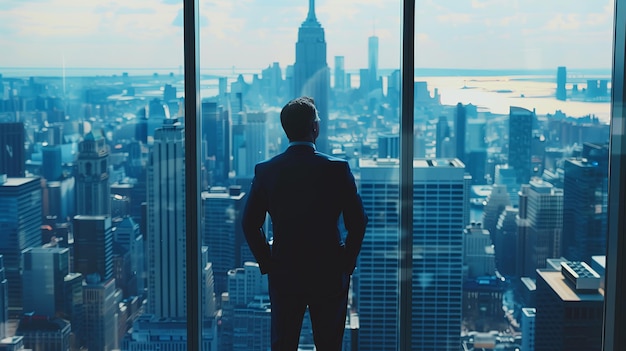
(308, 264)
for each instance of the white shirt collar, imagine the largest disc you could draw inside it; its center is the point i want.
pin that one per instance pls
(307, 143)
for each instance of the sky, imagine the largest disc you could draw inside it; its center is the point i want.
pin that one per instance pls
(252, 34)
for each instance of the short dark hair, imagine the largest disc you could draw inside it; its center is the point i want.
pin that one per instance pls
(297, 117)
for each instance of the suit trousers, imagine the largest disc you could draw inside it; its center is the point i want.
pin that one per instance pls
(327, 312)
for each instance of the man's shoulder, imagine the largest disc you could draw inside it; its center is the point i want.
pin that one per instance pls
(330, 158)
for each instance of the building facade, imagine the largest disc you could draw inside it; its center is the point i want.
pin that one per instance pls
(440, 200)
(20, 218)
(166, 263)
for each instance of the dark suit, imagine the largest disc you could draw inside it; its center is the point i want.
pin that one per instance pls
(308, 264)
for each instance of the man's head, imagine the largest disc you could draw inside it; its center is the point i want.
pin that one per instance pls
(300, 120)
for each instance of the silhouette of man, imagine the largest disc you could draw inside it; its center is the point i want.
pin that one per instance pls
(308, 265)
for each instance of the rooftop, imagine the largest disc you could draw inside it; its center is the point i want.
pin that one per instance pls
(565, 291)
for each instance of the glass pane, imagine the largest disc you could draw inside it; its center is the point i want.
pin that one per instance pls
(519, 94)
(93, 206)
(257, 57)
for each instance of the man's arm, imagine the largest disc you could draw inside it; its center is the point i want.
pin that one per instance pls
(355, 221)
(252, 222)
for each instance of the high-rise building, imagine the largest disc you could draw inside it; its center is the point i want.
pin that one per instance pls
(520, 138)
(340, 73)
(443, 137)
(222, 232)
(388, 145)
(507, 176)
(249, 305)
(93, 194)
(100, 308)
(311, 72)
(216, 135)
(372, 62)
(478, 255)
(166, 258)
(528, 328)
(440, 201)
(20, 220)
(460, 127)
(93, 246)
(249, 142)
(585, 197)
(73, 302)
(561, 81)
(41, 332)
(43, 277)
(497, 200)
(51, 166)
(505, 241)
(540, 226)
(126, 234)
(12, 153)
(569, 310)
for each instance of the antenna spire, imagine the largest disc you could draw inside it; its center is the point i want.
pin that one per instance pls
(311, 15)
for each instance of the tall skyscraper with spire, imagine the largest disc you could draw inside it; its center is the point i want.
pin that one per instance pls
(311, 72)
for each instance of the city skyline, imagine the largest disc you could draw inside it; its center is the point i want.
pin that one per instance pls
(539, 35)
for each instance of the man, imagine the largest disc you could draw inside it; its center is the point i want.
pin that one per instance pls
(308, 265)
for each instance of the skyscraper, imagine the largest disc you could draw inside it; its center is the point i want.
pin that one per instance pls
(440, 199)
(540, 226)
(44, 279)
(520, 137)
(92, 179)
(100, 306)
(460, 126)
(166, 225)
(443, 137)
(585, 187)
(12, 154)
(311, 72)
(561, 80)
(372, 62)
(20, 220)
(569, 308)
(222, 232)
(216, 135)
(93, 246)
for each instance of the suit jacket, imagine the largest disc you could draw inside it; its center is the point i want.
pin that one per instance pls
(305, 192)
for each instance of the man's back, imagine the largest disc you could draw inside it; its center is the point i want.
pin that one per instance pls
(305, 192)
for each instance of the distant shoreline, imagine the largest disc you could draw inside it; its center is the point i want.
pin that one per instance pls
(51, 72)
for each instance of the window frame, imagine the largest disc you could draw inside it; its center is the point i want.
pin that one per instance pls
(615, 307)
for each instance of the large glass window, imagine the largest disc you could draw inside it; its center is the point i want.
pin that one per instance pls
(520, 94)
(254, 59)
(92, 131)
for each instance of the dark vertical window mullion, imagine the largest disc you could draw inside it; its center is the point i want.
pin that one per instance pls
(615, 286)
(192, 173)
(406, 177)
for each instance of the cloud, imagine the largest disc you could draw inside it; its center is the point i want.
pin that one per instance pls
(455, 18)
(560, 21)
